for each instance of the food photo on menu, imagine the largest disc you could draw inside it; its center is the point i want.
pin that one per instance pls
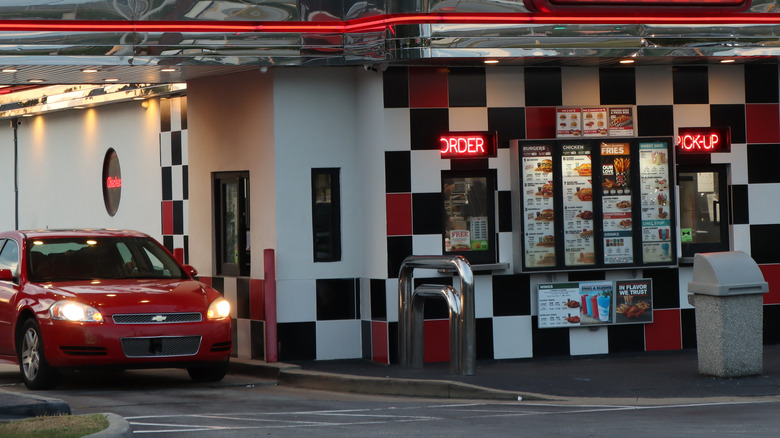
(634, 302)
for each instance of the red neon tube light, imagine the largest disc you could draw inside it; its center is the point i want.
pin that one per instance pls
(383, 22)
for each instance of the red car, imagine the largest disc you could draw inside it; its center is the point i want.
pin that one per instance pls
(84, 298)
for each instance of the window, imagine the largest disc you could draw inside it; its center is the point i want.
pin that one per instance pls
(9, 255)
(231, 210)
(469, 215)
(326, 214)
(703, 209)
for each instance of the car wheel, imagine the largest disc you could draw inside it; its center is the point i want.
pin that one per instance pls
(36, 372)
(208, 373)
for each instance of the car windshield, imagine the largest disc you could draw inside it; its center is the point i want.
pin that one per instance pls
(88, 258)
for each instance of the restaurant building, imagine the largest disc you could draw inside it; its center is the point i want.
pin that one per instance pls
(576, 153)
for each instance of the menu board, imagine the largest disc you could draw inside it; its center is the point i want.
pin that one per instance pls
(577, 179)
(616, 203)
(569, 122)
(537, 206)
(595, 303)
(654, 190)
(594, 122)
(621, 122)
(594, 203)
(559, 305)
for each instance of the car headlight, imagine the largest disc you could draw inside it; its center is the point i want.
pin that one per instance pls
(66, 310)
(219, 309)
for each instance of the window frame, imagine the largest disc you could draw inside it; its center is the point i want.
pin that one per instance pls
(332, 217)
(690, 249)
(219, 181)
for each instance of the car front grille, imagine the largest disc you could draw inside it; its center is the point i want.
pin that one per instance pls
(157, 318)
(170, 346)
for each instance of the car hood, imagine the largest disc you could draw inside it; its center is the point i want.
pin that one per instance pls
(139, 296)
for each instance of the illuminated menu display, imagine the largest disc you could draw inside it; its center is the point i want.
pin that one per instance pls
(538, 206)
(656, 209)
(577, 181)
(468, 145)
(590, 204)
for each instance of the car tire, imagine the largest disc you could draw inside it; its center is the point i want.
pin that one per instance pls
(36, 371)
(209, 373)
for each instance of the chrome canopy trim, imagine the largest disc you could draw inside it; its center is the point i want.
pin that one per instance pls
(134, 39)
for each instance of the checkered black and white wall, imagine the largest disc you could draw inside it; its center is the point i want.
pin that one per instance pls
(173, 165)
(519, 103)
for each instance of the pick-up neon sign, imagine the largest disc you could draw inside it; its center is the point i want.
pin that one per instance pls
(467, 145)
(703, 140)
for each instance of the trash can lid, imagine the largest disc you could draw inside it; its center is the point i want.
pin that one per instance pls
(726, 273)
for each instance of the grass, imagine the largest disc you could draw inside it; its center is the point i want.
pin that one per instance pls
(60, 426)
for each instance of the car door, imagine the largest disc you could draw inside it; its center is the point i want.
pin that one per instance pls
(9, 259)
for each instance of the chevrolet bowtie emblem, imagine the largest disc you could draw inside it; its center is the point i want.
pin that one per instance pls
(159, 318)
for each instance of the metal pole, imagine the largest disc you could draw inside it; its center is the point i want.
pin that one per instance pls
(15, 125)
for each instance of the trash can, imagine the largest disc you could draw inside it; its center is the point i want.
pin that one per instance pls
(727, 292)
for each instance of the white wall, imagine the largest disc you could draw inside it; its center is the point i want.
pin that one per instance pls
(316, 122)
(61, 163)
(230, 124)
(6, 175)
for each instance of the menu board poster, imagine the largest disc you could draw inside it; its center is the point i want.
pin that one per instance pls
(616, 168)
(596, 299)
(656, 208)
(538, 206)
(621, 122)
(618, 230)
(595, 122)
(577, 181)
(568, 122)
(634, 301)
(559, 305)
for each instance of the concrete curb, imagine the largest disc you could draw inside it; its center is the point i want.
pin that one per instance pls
(39, 406)
(295, 376)
(117, 427)
(397, 386)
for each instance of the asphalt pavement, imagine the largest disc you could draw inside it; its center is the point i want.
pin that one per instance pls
(639, 378)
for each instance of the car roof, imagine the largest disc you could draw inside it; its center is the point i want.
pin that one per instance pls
(34, 234)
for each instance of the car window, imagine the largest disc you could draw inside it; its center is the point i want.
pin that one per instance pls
(64, 259)
(9, 255)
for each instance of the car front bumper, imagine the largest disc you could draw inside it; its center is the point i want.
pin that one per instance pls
(74, 344)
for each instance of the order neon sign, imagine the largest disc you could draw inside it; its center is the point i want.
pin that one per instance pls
(703, 140)
(468, 145)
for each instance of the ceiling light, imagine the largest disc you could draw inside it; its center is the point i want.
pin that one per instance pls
(9, 70)
(491, 61)
(35, 81)
(168, 69)
(626, 61)
(111, 80)
(90, 70)
(726, 61)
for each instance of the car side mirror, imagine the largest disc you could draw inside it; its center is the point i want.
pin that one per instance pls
(190, 270)
(6, 275)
